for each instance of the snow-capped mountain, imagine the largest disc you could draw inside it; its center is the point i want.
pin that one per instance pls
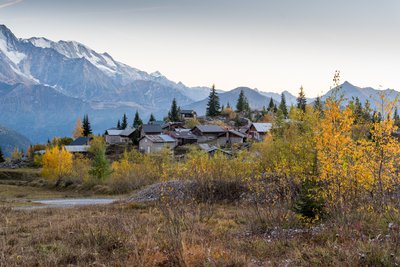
(75, 73)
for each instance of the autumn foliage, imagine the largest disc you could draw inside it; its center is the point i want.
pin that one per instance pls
(57, 163)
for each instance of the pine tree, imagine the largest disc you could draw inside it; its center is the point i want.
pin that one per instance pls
(124, 123)
(100, 165)
(174, 113)
(283, 107)
(242, 103)
(301, 100)
(228, 105)
(367, 110)
(152, 118)
(271, 105)
(87, 129)
(119, 125)
(137, 122)
(1, 156)
(396, 118)
(318, 107)
(213, 106)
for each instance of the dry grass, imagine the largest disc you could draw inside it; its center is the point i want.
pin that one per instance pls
(140, 235)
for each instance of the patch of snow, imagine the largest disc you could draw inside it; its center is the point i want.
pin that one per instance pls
(156, 74)
(41, 42)
(14, 56)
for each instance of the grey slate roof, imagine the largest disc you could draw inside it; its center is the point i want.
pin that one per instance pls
(210, 129)
(237, 133)
(183, 134)
(262, 127)
(117, 132)
(161, 138)
(80, 141)
(151, 128)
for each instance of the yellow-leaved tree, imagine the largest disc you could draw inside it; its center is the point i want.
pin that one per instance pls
(381, 159)
(78, 131)
(335, 147)
(57, 163)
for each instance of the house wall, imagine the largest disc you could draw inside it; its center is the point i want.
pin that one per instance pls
(235, 140)
(147, 146)
(112, 139)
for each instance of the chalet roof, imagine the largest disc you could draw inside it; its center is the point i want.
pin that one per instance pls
(183, 134)
(77, 149)
(237, 133)
(157, 122)
(151, 128)
(117, 132)
(172, 123)
(210, 149)
(210, 129)
(80, 141)
(262, 127)
(161, 138)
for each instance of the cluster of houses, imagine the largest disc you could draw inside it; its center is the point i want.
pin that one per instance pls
(157, 135)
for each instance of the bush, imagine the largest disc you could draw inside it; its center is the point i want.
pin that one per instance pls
(308, 203)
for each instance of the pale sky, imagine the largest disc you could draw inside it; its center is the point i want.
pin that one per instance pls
(272, 45)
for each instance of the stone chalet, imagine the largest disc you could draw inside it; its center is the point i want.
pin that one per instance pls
(155, 143)
(115, 136)
(258, 131)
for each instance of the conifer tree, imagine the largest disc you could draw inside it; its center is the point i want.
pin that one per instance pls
(228, 105)
(271, 105)
(119, 125)
(174, 113)
(283, 107)
(213, 106)
(1, 156)
(242, 103)
(87, 129)
(301, 100)
(124, 123)
(152, 118)
(318, 107)
(396, 118)
(137, 122)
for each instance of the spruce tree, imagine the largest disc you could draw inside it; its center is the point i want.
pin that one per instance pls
(396, 117)
(124, 123)
(137, 122)
(174, 113)
(283, 107)
(119, 125)
(301, 100)
(228, 105)
(213, 106)
(152, 118)
(1, 156)
(242, 103)
(87, 129)
(275, 108)
(318, 107)
(271, 105)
